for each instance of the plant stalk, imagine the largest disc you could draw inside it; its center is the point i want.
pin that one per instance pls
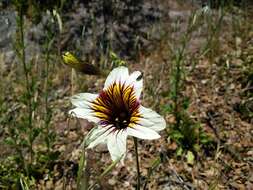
(27, 72)
(47, 120)
(137, 163)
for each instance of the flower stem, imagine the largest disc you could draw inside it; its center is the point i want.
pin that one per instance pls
(137, 163)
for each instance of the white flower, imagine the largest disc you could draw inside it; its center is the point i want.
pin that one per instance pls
(117, 112)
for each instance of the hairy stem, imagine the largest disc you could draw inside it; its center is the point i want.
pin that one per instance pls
(137, 162)
(27, 72)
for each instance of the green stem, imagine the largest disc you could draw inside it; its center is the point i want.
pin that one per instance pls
(137, 163)
(47, 117)
(82, 175)
(27, 72)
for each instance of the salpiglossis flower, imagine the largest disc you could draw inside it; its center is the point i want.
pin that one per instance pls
(117, 112)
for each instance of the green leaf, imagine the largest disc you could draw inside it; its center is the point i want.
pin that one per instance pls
(49, 157)
(35, 132)
(24, 143)
(81, 167)
(179, 151)
(52, 136)
(106, 171)
(23, 183)
(196, 147)
(186, 103)
(9, 141)
(54, 155)
(155, 163)
(190, 157)
(110, 167)
(167, 108)
(176, 135)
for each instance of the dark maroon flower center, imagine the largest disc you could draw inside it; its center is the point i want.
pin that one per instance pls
(117, 106)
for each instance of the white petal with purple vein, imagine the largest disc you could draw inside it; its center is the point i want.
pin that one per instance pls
(142, 132)
(99, 135)
(151, 119)
(116, 144)
(118, 75)
(83, 100)
(85, 114)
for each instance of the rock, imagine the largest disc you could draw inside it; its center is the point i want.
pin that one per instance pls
(7, 28)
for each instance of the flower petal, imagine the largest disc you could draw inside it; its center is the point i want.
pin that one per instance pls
(119, 74)
(116, 144)
(151, 119)
(142, 132)
(83, 100)
(84, 113)
(138, 84)
(98, 136)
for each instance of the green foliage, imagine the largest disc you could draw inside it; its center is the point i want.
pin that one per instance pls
(11, 178)
(26, 116)
(188, 134)
(245, 108)
(247, 78)
(153, 165)
(28, 163)
(34, 9)
(106, 171)
(116, 61)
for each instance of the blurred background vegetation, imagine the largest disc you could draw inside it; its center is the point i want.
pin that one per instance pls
(196, 57)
